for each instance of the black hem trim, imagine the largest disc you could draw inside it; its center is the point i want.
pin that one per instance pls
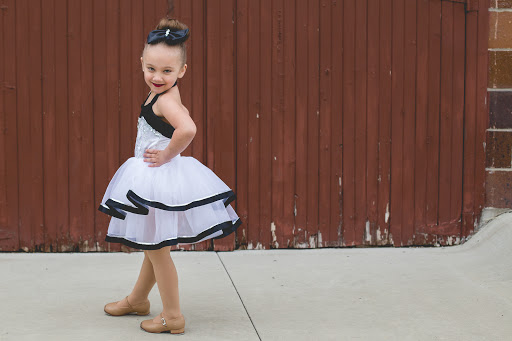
(116, 208)
(227, 228)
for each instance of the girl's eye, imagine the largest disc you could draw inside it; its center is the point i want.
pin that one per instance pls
(167, 71)
(150, 69)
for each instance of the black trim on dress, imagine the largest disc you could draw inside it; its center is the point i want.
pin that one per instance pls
(227, 228)
(115, 208)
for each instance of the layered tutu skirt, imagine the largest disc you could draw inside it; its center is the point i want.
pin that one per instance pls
(180, 202)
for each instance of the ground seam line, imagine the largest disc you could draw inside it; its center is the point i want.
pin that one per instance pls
(240, 297)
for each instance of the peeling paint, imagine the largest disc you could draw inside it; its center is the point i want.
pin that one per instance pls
(367, 234)
(312, 241)
(496, 27)
(320, 239)
(452, 240)
(386, 216)
(257, 247)
(65, 248)
(274, 238)
(295, 206)
(302, 245)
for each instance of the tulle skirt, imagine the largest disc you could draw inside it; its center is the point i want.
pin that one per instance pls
(180, 202)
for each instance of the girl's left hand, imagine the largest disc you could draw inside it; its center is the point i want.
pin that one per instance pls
(156, 157)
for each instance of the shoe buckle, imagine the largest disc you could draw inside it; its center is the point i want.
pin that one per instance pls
(163, 321)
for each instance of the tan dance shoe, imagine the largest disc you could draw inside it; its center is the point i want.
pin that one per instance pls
(175, 325)
(114, 310)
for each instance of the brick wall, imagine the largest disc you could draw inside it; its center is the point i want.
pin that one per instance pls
(499, 133)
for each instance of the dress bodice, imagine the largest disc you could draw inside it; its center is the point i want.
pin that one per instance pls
(152, 131)
(148, 137)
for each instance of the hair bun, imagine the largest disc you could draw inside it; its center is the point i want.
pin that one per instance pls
(173, 25)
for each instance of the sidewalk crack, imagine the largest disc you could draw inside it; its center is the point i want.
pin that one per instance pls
(240, 297)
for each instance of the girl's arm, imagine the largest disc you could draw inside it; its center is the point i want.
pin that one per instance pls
(184, 132)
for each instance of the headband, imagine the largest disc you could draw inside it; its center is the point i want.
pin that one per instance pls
(170, 37)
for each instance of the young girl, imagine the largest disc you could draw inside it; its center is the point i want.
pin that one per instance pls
(159, 198)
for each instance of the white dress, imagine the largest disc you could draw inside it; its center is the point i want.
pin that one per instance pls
(180, 202)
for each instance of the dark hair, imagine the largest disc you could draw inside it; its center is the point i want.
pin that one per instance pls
(173, 25)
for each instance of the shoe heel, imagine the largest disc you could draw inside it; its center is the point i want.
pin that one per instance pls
(144, 313)
(178, 331)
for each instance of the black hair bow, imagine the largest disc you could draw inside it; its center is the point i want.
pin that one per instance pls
(171, 37)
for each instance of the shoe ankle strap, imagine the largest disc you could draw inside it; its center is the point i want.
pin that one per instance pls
(128, 303)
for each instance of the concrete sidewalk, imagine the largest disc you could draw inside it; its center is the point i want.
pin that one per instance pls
(450, 293)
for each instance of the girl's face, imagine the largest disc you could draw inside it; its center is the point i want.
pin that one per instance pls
(162, 66)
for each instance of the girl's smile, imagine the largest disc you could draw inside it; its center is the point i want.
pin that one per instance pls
(162, 66)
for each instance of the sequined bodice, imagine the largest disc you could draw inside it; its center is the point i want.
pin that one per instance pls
(148, 137)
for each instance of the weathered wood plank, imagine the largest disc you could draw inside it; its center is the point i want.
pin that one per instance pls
(409, 171)
(372, 130)
(324, 150)
(10, 234)
(361, 126)
(384, 188)
(397, 128)
(289, 155)
(348, 181)
(335, 228)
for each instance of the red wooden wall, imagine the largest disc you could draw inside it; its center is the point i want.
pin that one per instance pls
(338, 123)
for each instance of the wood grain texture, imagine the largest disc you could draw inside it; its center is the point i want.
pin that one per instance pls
(277, 125)
(301, 155)
(434, 60)
(349, 109)
(420, 127)
(397, 124)
(361, 128)
(9, 207)
(52, 183)
(372, 116)
(325, 121)
(409, 118)
(385, 73)
(289, 107)
(62, 125)
(336, 198)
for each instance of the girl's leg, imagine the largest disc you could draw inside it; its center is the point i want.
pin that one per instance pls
(144, 284)
(167, 281)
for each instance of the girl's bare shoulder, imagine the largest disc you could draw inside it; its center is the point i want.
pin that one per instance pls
(170, 104)
(170, 108)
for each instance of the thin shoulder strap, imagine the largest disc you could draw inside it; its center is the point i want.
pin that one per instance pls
(156, 96)
(150, 104)
(147, 97)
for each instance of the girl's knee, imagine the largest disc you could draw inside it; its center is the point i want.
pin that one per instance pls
(163, 253)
